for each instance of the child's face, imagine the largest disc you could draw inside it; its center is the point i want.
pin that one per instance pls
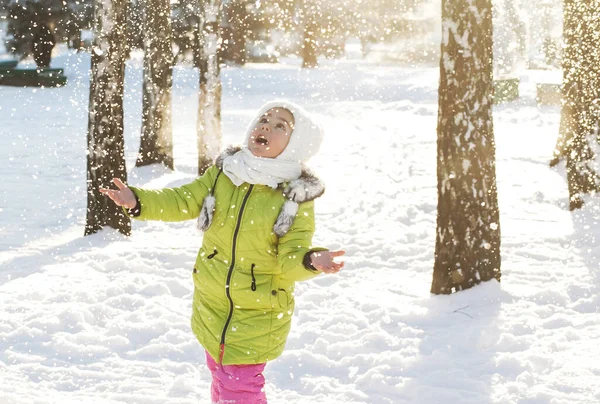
(271, 134)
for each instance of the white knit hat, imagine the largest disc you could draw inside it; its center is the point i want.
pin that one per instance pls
(307, 135)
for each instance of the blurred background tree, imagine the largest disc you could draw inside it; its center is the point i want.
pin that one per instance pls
(252, 30)
(156, 140)
(579, 134)
(33, 24)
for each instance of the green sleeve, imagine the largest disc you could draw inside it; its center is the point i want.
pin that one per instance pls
(175, 204)
(296, 243)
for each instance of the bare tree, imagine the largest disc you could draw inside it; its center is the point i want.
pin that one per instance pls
(209, 98)
(467, 249)
(106, 159)
(518, 25)
(569, 86)
(238, 29)
(578, 134)
(156, 144)
(309, 42)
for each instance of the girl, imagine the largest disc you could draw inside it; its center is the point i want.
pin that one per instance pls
(256, 208)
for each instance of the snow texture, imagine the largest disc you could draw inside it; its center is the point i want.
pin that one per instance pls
(105, 319)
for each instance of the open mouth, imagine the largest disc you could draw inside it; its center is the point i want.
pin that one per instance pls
(262, 141)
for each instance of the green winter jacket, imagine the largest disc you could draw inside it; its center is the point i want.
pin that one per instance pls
(244, 273)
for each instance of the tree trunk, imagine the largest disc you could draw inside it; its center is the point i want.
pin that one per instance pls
(197, 7)
(106, 158)
(518, 26)
(156, 144)
(467, 249)
(569, 86)
(239, 31)
(309, 43)
(209, 98)
(578, 137)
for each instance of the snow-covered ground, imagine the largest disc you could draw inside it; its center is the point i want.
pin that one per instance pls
(105, 319)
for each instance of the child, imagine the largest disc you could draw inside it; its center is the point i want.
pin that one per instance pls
(256, 208)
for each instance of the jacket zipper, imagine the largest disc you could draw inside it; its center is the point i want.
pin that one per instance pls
(227, 289)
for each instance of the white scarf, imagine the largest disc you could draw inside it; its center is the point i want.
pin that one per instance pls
(246, 167)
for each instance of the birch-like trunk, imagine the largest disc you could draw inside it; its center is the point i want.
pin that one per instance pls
(156, 145)
(578, 136)
(467, 249)
(106, 159)
(209, 97)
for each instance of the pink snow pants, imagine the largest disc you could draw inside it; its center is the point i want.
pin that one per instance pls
(236, 384)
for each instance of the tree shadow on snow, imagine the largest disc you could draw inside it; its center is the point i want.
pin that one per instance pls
(585, 237)
(455, 361)
(87, 304)
(57, 248)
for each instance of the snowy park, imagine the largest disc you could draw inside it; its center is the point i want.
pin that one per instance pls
(105, 318)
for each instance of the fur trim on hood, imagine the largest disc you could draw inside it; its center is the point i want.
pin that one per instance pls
(306, 188)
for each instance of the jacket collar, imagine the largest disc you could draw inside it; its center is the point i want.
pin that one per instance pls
(306, 188)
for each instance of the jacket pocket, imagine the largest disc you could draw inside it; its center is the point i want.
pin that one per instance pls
(252, 289)
(284, 298)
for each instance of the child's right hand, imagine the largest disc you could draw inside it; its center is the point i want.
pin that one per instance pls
(123, 196)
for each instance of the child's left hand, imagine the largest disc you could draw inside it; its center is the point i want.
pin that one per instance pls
(323, 261)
